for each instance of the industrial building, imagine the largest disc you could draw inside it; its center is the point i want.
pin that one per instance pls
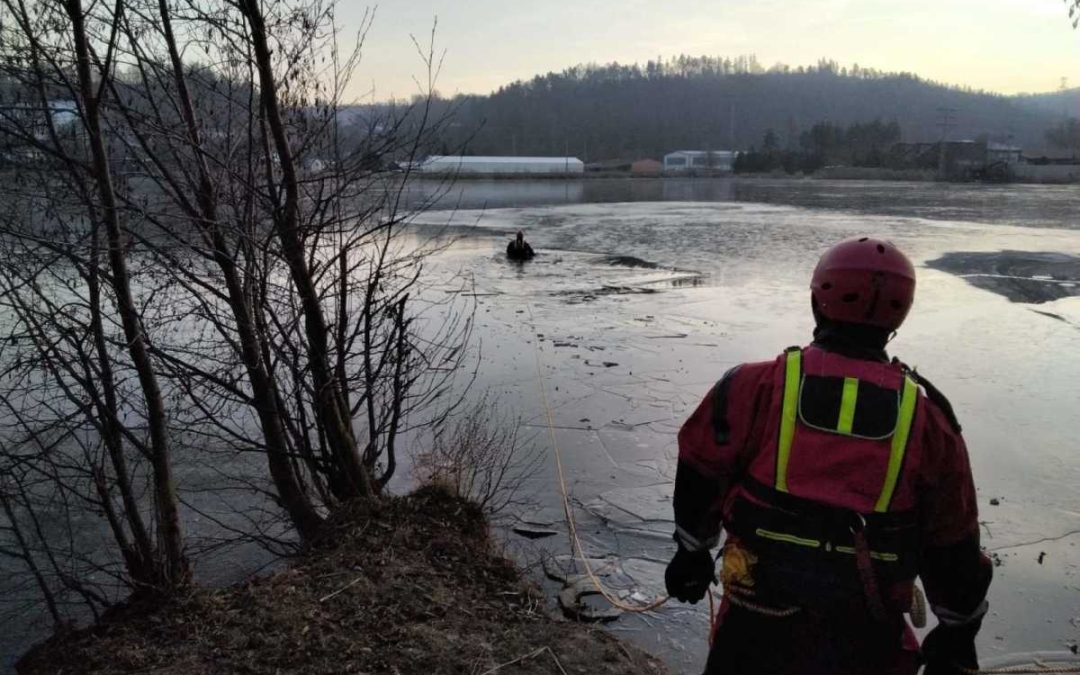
(958, 160)
(700, 161)
(646, 168)
(503, 166)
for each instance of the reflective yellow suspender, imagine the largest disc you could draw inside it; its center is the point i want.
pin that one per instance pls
(847, 405)
(899, 443)
(793, 372)
(789, 414)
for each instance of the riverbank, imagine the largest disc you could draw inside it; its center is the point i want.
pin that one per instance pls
(413, 586)
(1021, 175)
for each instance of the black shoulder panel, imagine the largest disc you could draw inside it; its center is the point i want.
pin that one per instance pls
(721, 427)
(876, 409)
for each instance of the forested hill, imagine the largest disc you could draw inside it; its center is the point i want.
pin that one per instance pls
(615, 111)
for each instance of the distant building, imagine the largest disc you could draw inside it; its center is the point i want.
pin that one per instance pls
(608, 166)
(646, 167)
(1049, 165)
(1006, 154)
(957, 160)
(700, 161)
(492, 165)
(34, 119)
(1044, 156)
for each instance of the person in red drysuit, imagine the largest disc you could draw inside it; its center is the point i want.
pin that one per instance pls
(839, 476)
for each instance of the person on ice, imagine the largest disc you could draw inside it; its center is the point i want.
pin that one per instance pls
(839, 476)
(519, 249)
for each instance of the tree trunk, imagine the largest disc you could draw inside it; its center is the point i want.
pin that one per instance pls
(329, 401)
(291, 495)
(174, 570)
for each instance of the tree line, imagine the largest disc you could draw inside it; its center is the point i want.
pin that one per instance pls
(613, 111)
(859, 144)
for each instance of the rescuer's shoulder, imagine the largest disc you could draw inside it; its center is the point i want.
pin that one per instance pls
(748, 374)
(933, 395)
(735, 394)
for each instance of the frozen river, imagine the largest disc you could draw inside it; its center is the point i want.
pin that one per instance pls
(645, 291)
(643, 295)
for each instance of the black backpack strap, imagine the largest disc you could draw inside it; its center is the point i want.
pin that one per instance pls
(721, 426)
(934, 394)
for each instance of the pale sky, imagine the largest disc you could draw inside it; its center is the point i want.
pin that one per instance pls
(1006, 46)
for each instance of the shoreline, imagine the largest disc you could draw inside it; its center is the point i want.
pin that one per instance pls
(413, 584)
(840, 173)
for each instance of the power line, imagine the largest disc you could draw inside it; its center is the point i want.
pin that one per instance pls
(948, 121)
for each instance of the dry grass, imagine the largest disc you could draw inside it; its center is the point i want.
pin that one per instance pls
(480, 457)
(410, 587)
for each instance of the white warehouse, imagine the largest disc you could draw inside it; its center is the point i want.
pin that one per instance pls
(688, 161)
(456, 164)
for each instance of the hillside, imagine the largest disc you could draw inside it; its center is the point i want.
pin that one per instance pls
(603, 112)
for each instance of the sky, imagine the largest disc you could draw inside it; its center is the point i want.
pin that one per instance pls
(1005, 46)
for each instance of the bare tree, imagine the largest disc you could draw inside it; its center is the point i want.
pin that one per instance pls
(59, 272)
(202, 264)
(479, 456)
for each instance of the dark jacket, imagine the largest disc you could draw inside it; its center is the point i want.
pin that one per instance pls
(522, 252)
(729, 445)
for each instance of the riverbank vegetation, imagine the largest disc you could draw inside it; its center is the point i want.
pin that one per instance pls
(404, 585)
(214, 333)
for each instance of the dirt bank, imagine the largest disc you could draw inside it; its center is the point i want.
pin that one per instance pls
(414, 586)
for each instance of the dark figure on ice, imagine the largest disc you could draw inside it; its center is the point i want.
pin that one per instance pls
(519, 249)
(839, 476)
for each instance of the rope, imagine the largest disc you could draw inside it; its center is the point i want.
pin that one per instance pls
(571, 524)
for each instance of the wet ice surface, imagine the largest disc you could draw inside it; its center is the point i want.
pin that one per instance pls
(1021, 276)
(623, 369)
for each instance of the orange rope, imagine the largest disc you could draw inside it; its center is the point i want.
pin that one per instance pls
(579, 550)
(712, 618)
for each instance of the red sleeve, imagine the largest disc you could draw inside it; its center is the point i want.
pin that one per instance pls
(714, 440)
(948, 510)
(712, 446)
(955, 572)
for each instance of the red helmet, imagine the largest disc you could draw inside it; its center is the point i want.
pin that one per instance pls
(865, 281)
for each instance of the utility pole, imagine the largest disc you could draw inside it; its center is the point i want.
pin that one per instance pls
(732, 125)
(948, 121)
(1064, 99)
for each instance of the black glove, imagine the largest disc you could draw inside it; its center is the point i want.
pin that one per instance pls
(950, 650)
(689, 574)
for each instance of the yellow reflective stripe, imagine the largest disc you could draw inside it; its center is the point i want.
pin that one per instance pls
(887, 557)
(787, 416)
(787, 538)
(847, 405)
(899, 443)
